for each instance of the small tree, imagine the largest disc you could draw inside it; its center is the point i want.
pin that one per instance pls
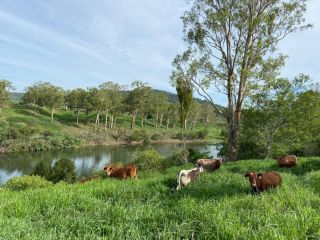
(43, 169)
(75, 100)
(137, 99)
(44, 94)
(63, 170)
(5, 88)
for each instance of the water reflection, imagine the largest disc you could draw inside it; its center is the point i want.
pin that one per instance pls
(87, 160)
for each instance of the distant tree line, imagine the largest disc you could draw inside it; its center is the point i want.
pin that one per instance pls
(109, 101)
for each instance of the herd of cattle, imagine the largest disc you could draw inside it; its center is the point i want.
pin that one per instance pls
(258, 181)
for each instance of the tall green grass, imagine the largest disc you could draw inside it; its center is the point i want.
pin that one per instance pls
(217, 206)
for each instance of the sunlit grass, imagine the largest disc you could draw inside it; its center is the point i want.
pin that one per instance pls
(217, 206)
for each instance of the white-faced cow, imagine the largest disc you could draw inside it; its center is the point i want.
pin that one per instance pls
(186, 176)
(261, 182)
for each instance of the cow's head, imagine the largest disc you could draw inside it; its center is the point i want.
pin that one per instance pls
(200, 169)
(253, 180)
(108, 170)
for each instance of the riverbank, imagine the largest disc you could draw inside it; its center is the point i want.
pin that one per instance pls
(217, 206)
(30, 130)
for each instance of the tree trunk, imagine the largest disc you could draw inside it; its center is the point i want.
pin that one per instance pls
(168, 120)
(142, 121)
(106, 123)
(52, 113)
(77, 116)
(97, 121)
(111, 122)
(133, 121)
(156, 120)
(160, 121)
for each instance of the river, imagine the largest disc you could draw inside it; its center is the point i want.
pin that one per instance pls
(87, 160)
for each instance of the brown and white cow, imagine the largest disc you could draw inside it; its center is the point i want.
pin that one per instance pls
(287, 161)
(209, 164)
(263, 181)
(121, 172)
(186, 176)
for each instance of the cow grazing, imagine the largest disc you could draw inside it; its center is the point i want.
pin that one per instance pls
(209, 164)
(186, 176)
(121, 172)
(287, 161)
(261, 182)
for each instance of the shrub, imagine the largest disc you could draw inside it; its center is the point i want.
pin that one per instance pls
(201, 134)
(3, 124)
(120, 134)
(157, 136)
(63, 170)
(137, 135)
(149, 159)
(194, 155)
(27, 182)
(43, 169)
(177, 158)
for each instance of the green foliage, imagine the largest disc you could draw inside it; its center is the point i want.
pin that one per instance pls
(194, 155)
(179, 157)
(149, 160)
(63, 170)
(200, 134)
(27, 182)
(157, 136)
(44, 94)
(43, 169)
(138, 135)
(5, 88)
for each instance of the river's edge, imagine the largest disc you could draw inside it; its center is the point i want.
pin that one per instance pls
(123, 143)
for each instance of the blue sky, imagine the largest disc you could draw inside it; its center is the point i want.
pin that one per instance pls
(79, 43)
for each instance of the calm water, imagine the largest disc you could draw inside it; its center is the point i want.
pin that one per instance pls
(87, 160)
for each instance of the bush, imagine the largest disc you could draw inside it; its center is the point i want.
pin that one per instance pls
(63, 170)
(43, 169)
(149, 159)
(137, 135)
(157, 136)
(201, 134)
(120, 134)
(27, 182)
(181, 156)
(194, 155)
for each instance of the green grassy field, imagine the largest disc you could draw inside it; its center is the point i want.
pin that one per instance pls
(217, 206)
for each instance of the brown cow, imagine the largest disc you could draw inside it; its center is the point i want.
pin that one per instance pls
(261, 182)
(209, 164)
(287, 161)
(121, 172)
(186, 176)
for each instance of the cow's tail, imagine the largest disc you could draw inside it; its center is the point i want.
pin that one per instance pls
(179, 181)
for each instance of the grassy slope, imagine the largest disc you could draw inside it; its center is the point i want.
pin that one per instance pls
(65, 121)
(217, 206)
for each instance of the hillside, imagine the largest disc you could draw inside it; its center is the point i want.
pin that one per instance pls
(30, 129)
(217, 206)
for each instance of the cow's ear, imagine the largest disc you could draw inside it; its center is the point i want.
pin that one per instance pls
(259, 175)
(246, 175)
